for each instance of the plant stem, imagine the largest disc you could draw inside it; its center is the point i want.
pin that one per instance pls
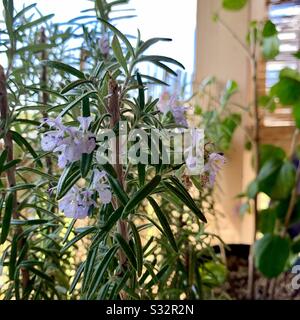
(293, 199)
(114, 110)
(235, 37)
(45, 95)
(251, 268)
(11, 172)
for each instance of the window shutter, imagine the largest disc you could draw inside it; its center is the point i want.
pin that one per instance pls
(277, 127)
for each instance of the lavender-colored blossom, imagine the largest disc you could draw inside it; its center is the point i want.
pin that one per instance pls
(85, 123)
(69, 142)
(170, 104)
(100, 185)
(179, 115)
(213, 166)
(104, 45)
(193, 150)
(76, 203)
(54, 123)
(164, 103)
(51, 140)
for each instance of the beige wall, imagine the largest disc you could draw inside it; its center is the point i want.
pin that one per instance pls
(220, 55)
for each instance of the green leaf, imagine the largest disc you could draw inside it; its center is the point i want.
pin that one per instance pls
(268, 169)
(37, 172)
(119, 53)
(230, 89)
(122, 282)
(296, 245)
(234, 4)
(269, 29)
(252, 189)
(40, 274)
(154, 80)
(147, 44)
(112, 220)
(69, 230)
(287, 90)
(120, 35)
(3, 159)
(100, 271)
(141, 92)
(23, 11)
(164, 223)
(138, 248)
(75, 84)
(180, 192)
(67, 180)
(78, 237)
(75, 102)
(141, 195)
(127, 250)
(118, 190)
(157, 277)
(34, 48)
(36, 22)
(155, 58)
(296, 114)
(86, 159)
(285, 181)
(10, 164)
(63, 67)
(271, 47)
(165, 68)
(267, 220)
(7, 216)
(297, 54)
(109, 169)
(141, 173)
(77, 277)
(22, 186)
(13, 257)
(25, 145)
(30, 222)
(271, 255)
(88, 268)
(268, 103)
(269, 151)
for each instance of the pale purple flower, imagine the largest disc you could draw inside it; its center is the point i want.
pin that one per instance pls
(100, 185)
(85, 122)
(191, 161)
(104, 45)
(193, 149)
(213, 166)
(164, 103)
(76, 203)
(69, 142)
(169, 103)
(179, 115)
(51, 140)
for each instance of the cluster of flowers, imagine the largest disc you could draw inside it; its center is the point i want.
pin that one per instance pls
(213, 166)
(78, 202)
(169, 103)
(69, 142)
